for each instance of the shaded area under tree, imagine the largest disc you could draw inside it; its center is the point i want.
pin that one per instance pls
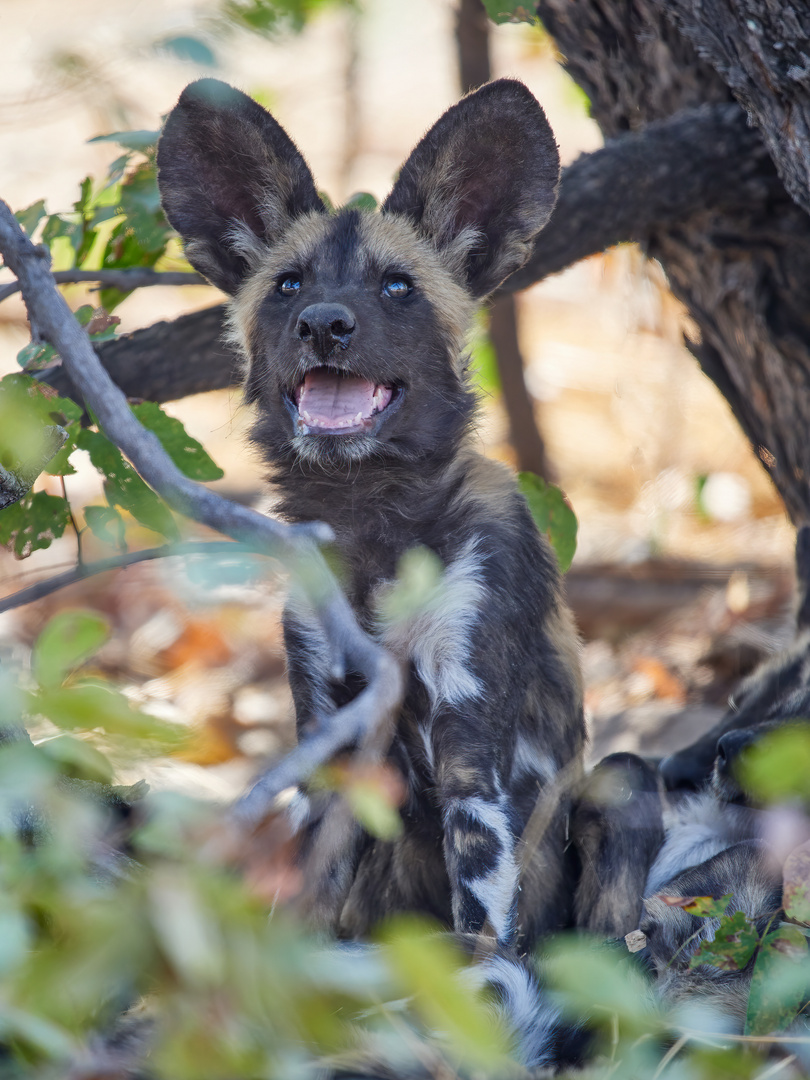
(683, 174)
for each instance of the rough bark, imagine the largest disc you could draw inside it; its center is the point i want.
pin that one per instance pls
(761, 50)
(743, 273)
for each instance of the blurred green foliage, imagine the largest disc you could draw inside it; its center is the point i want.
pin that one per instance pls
(510, 11)
(776, 768)
(270, 17)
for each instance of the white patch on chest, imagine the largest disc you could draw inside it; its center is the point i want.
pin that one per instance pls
(438, 638)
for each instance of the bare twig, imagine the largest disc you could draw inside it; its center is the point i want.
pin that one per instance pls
(349, 648)
(137, 278)
(118, 562)
(74, 523)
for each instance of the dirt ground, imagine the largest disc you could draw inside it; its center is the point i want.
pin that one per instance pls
(682, 577)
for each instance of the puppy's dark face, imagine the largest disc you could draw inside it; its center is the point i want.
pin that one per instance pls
(354, 331)
(352, 324)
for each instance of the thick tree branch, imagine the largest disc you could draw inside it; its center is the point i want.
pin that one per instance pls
(699, 160)
(165, 361)
(349, 648)
(136, 278)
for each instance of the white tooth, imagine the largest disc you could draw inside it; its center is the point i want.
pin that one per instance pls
(358, 419)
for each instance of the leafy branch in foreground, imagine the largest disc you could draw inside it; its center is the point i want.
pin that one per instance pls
(348, 647)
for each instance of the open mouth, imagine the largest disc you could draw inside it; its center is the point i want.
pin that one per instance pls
(332, 402)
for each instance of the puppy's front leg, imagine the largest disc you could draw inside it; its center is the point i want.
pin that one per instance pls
(479, 841)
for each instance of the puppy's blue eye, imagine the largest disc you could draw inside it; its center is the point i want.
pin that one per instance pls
(289, 285)
(397, 286)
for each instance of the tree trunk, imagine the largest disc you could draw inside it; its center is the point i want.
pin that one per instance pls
(472, 52)
(744, 272)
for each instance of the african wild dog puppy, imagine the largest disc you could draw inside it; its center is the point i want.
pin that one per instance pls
(700, 845)
(352, 325)
(710, 842)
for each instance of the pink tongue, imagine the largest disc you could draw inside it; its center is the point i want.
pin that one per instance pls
(327, 399)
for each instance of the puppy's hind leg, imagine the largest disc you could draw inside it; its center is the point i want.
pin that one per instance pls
(617, 828)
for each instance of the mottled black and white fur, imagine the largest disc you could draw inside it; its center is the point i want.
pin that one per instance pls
(638, 843)
(334, 311)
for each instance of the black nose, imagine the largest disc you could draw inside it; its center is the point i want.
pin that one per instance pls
(327, 326)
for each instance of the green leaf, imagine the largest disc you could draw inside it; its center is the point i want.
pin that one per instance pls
(29, 412)
(187, 454)
(106, 523)
(124, 487)
(704, 907)
(796, 885)
(85, 199)
(60, 465)
(65, 643)
(36, 355)
(779, 981)
(130, 140)
(483, 360)
(418, 586)
(733, 946)
(552, 514)
(58, 227)
(604, 983)
(77, 758)
(33, 523)
(373, 810)
(362, 200)
(508, 11)
(29, 218)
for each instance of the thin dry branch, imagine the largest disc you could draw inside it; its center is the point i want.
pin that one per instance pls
(119, 562)
(294, 546)
(125, 280)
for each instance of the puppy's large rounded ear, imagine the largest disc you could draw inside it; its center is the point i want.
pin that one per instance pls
(231, 180)
(483, 182)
